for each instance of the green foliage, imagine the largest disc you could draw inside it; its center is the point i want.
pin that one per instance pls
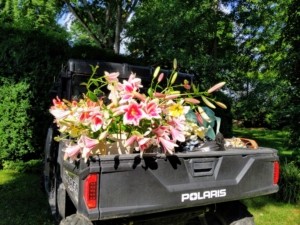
(290, 69)
(263, 103)
(33, 58)
(197, 33)
(35, 14)
(289, 183)
(32, 166)
(15, 121)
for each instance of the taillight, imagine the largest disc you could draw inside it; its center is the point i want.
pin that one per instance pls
(90, 192)
(276, 172)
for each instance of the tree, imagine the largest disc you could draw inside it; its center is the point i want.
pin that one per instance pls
(260, 91)
(198, 33)
(34, 14)
(102, 21)
(290, 69)
(32, 49)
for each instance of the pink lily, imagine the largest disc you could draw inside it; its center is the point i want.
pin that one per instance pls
(96, 122)
(163, 138)
(130, 140)
(177, 134)
(178, 123)
(87, 142)
(168, 145)
(59, 113)
(88, 145)
(111, 77)
(136, 82)
(72, 151)
(152, 109)
(144, 143)
(57, 103)
(133, 113)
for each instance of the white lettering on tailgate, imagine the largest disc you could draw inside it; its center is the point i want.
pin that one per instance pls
(193, 196)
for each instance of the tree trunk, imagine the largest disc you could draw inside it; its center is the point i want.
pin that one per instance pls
(118, 29)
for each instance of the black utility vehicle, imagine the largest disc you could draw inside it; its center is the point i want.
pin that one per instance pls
(184, 188)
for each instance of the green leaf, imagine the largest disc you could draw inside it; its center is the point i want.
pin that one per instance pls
(195, 88)
(92, 96)
(150, 92)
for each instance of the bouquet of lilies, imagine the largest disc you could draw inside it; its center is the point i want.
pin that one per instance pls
(156, 119)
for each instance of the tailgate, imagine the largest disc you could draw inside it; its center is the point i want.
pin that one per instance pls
(131, 186)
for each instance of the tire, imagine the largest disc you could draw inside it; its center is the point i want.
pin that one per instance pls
(55, 189)
(48, 170)
(76, 219)
(231, 213)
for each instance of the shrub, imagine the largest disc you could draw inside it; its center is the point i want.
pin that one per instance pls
(289, 183)
(15, 122)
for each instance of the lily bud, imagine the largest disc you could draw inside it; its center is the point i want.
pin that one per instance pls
(173, 96)
(216, 87)
(175, 64)
(139, 96)
(156, 72)
(220, 104)
(203, 114)
(159, 95)
(207, 102)
(192, 100)
(161, 76)
(174, 77)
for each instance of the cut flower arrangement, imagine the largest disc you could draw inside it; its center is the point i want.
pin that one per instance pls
(110, 110)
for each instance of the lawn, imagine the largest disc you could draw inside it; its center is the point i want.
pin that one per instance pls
(266, 209)
(22, 201)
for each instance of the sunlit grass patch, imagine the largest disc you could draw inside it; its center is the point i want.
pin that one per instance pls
(22, 200)
(267, 211)
(276, 139)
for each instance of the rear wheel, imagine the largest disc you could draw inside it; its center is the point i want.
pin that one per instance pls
(50, 167)
(76, 219)
(234, 213)
(231, 213)
(54, 187)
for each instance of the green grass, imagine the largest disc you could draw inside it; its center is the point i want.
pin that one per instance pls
(266, 209)
(276, 139)
(22, 201)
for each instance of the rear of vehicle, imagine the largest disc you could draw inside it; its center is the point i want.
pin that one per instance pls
(184, 188)
(129, 187)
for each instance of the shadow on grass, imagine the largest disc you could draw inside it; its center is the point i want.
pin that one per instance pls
(262, 201)
(22, 200)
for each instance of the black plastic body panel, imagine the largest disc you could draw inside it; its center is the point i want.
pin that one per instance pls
(132, 186)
